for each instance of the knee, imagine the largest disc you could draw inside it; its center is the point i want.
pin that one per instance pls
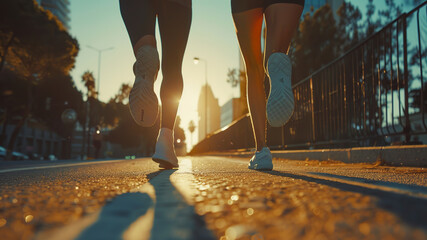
(171, 69)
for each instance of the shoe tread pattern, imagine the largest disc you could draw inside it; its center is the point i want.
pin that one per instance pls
(143, 102)
(280, 103)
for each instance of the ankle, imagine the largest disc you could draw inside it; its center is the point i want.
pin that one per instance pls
(146, 40)
(259, 148)
(166, 135)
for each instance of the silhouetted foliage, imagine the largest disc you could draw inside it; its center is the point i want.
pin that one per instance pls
(238, 78)
(124, 131)
(179, 132)
(89, 81)
(55, 94)
(317, 43)
(36, 48)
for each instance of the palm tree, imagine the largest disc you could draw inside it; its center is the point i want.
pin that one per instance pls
(191, 128)
(89, 82)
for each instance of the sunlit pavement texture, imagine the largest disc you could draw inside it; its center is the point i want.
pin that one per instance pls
(211, 198)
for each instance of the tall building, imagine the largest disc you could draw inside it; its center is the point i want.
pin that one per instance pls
(213, 112)
(231, 110)
(59, 8)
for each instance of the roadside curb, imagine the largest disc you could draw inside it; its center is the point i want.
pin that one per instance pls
(409, 156)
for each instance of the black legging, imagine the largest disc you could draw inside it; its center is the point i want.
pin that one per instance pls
(174, 18)
(244, 5)
(140, 15)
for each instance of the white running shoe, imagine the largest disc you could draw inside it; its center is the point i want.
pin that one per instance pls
(262, 160)
(165, 150)
(143, 102)
(280, 103)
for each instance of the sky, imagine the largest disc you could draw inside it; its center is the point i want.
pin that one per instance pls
(98, 24)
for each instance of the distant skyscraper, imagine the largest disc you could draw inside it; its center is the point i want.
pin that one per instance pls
(213, 113)
(231, 110)
(59, 8)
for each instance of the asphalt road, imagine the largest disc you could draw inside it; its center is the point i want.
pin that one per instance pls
(211, 198)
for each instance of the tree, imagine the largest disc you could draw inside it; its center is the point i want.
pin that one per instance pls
(123, 95)
(417, 2)
(418, 96)
(94, 108)
(37, 41)
(13, 99)
(417, 102)
(34, 45)
(130, 135)
(116, 106)
(89, 81)
(124, 129)
(310, 54)
(179, 132)
(393, 10)
(232, 77)
(54, 95)
(349, 27)
(191, 128)
(236, 77)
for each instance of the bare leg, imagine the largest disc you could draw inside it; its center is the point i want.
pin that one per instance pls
(281, 22)
(248, 26)
(174, 25)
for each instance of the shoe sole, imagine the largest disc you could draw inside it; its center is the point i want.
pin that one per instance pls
(164, 164)
(280, 103)
(262, 169)
(143, 103)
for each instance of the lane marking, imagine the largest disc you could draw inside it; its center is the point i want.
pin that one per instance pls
(141, 228)
(394, 187)
(172, 214)
(184, 180)
(70, 231)
(372, 186)
(160, 209)
(58, 166)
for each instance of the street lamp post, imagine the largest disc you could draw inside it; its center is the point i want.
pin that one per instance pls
(97, 87)
(99, 64)
(196, 61)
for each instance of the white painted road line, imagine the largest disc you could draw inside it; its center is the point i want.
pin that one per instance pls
(160, 209)
(57, 166)
(373, 186)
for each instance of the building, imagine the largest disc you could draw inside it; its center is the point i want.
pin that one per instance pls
(36, 140)
(231, 110)
(59, 8)
(316, 4)
(213, 112)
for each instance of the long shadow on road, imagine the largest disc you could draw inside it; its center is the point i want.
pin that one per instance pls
(410, 209)
(169, 215)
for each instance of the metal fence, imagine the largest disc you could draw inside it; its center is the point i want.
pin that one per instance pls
(373, 95)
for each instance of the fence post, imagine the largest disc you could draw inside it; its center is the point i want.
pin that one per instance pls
(407, 129)
(312, 111)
